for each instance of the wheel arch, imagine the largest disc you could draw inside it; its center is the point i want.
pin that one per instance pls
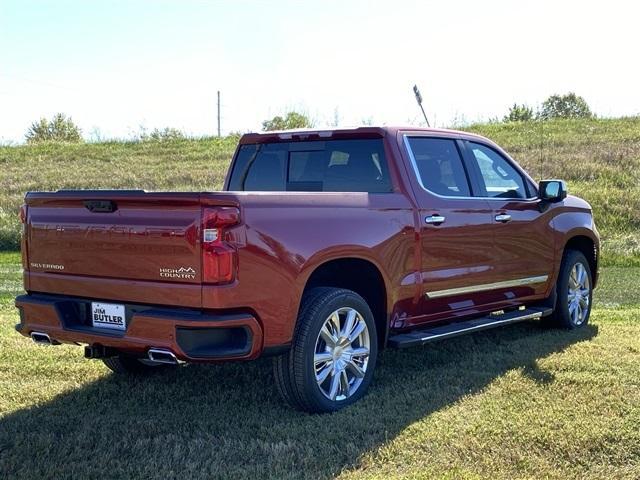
(589, 248)
(361, 275)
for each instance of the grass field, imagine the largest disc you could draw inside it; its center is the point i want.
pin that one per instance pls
(520, 402)
(600, 159)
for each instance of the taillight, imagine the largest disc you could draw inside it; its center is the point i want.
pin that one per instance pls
(23, 237)
(23, 214)
(219, 258)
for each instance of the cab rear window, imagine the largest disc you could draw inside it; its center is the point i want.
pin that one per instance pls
(318, 166)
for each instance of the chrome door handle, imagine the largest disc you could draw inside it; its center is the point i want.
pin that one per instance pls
(435, 219)
(503, 217)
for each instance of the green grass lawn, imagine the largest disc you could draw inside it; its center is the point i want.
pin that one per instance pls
(519, 402)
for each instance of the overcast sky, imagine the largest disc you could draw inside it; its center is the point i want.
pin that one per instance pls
(117, 65)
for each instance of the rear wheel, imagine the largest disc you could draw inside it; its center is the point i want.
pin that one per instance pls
(333, 355)
(574, 292)
(126, 364)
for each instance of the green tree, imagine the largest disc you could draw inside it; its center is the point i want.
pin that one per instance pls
(519, 113)
(290, 120)
(59, 129)
(569, 105)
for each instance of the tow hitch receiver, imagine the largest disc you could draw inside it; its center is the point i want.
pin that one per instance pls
(99, 351)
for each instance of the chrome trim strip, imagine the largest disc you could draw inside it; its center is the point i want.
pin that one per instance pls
(487, 286)
(529, 316)
(407, 145)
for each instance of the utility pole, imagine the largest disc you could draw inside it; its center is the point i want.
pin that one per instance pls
(416, 92)
(218, 113)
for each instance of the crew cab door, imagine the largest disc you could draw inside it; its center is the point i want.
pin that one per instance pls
(455, 229)
(522, 232)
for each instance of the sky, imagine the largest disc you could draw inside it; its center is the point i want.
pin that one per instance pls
(118, 67)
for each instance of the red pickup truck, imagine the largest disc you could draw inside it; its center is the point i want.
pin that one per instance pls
(323, 248)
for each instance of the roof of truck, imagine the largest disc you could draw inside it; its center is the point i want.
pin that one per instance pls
(341, 133)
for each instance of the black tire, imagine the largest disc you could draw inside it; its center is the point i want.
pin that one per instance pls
(125, 364)
(295, 372)
(562, 316)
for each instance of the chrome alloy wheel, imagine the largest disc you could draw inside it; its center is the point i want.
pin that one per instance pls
(342, 354)
(579, 293)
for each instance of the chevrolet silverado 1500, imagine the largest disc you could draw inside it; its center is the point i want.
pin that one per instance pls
(323, 248)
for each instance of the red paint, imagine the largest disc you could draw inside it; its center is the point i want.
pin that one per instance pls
(276, 243)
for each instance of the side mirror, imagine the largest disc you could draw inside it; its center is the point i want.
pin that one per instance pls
(552, 190)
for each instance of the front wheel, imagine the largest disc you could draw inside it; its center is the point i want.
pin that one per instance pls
(333, 355)
(574, 292)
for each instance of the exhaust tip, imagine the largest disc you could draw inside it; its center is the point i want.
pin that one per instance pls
(160, 355)
(41, 338)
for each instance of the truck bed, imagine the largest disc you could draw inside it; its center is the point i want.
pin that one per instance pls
(146, 248)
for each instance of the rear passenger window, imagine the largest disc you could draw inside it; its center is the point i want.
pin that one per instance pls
(322, 166)
(439, 166)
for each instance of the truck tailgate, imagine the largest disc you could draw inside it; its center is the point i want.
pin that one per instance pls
(93, 243)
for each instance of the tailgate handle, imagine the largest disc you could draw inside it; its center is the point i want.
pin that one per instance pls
(105, 206)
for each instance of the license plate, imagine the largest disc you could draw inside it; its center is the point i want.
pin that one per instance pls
(108, 315)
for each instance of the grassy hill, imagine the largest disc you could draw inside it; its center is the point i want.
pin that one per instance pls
(600, 159)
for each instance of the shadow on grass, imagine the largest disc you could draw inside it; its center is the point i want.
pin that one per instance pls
(227, 420)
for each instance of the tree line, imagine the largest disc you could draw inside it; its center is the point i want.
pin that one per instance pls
(569, 105)
(61, 128)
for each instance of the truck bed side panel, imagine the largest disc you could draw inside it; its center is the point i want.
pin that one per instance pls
(285, 236)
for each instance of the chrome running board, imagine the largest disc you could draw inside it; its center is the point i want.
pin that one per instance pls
(441, 332)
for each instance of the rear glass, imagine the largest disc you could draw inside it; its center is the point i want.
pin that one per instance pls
(321, 166)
